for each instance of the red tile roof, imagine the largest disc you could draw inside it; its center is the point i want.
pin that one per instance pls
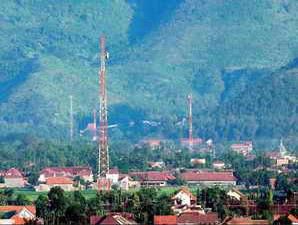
(152, 176)
(113, 171)
(113, 219)
(165, 220)
(13, 173)
(18, 220)
(195, 141)
(58, 180)
(208, 176)
(240, 145)
(198, 218)
(18, 208)
(246, 221)
(293, 218)
(66, 171)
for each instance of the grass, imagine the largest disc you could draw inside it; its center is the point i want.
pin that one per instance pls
(33, 195)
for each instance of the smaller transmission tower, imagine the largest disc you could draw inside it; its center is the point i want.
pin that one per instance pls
(190, 135)
(70, 119)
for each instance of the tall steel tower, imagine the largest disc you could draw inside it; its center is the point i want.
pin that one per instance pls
(103, 154)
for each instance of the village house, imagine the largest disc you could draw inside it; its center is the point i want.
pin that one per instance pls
(218, 165)
(188, 218)
(65, 183)
(195, 142)
(292, 219)
(13, 178)
(113, 175)
(152, 143)
(152, 178)
(184, 201)
(209, 178)
(84, 173)
(239, 201)
(12, 214)
(243, 148)
(113, 219)
(198, 161)
(245, 221)
(156, 165)
(124, 181)
(281, 157)
(184, 197)
(236, 195)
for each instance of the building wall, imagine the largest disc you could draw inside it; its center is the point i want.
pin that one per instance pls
(14, 182)
(154, 183)
(234, 194)
(6, 221)
(184, 198)
(212, 182)
(113, 177)
(65, 187)
(45, 187)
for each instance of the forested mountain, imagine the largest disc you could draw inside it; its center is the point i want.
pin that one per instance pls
(235, 57)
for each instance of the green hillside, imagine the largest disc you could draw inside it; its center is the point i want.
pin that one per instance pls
(160, 52)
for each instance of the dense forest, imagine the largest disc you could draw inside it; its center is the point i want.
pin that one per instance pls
(237, 58)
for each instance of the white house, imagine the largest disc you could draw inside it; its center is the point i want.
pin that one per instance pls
(184, 197)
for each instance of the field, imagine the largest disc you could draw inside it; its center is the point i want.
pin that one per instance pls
(33, 195)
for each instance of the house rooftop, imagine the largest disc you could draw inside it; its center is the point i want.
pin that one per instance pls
(195, 217)
(58, 180)
(113, 219)
(152, 176)
(208, 176)
(293, 218)
(17, 208)
(67, 171)
(113, 171)
(13, 173)
(165, 220)
(18, 214)
(246, 221)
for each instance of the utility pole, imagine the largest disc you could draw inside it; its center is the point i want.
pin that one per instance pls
(103, 154)
(190, 135)
(70, 119)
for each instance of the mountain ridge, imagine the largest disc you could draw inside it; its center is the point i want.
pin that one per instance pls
(159, 54)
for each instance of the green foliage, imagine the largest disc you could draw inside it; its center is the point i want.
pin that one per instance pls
(214, 198)
(49, 52)
(283, 220)
(22, 199)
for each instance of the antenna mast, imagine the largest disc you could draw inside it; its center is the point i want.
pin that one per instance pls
(103, 153)
(190, 136)
(70, 119)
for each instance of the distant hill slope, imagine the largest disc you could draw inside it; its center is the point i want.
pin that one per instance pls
(265, 108)
(160, 52)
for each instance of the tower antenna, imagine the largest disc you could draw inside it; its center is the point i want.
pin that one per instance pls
(103, 153)
(190, 135)
(70, 119)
